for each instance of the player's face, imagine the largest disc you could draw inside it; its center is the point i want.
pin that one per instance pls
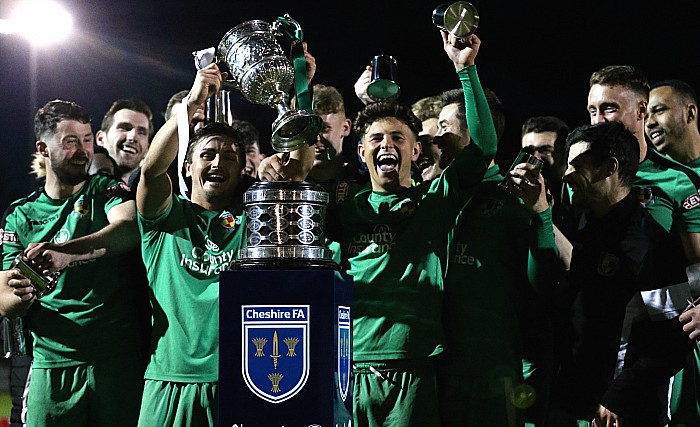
(215, 169)
(330, 141)
(584, 176)
(615, 104)
(69, 150)
(127, 139)
(388, 148)
(667, 120)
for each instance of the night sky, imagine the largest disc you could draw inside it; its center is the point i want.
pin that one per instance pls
(536, 55)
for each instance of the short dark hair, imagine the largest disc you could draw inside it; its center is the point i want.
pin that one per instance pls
(134, 104)
(498, 116)
(626, 76)
(219, 130)
(47, 117)
(686, 91)
(175, 99)
(539, 124)
(610, 139)
(383, 109)
(327, 100)
(249, 133)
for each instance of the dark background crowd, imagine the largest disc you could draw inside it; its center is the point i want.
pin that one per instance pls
(540, 56)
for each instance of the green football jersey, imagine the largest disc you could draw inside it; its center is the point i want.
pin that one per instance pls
(487, 285)
(395, 245)
(90, 315)
(669, 196)
(184, 251)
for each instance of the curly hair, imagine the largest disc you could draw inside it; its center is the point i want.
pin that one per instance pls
(382, 110)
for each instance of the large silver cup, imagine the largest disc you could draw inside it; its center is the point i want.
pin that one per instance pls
(258, 68)
(286, 227)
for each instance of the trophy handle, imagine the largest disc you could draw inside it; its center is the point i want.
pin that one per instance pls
(288, 27)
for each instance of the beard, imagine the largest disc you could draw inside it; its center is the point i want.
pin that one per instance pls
(70, 178)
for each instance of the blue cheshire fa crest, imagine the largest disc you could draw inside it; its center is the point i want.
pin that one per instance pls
(344, 351)
(276, 355)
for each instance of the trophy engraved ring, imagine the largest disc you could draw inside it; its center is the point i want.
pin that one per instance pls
(286, 225)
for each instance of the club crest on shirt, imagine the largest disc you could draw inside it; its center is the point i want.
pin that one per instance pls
(62, 236)
(406, 207)
(344, 351)
(489, 207)
(608, 264)
(645, 196)
(80, 207)
(691, 201)
(275, 345)
(228, 221)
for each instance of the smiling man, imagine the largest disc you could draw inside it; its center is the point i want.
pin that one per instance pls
(185, 244)
(81, 375)
(393, 239)
(672, 123)
(619, 251)
(125, 133)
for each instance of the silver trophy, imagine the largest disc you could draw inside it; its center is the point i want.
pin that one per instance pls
(459, 19)
(286, 224)
(258, 68)
(13, 331)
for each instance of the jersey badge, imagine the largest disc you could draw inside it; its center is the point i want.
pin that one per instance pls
(645, 196)
(608, 264)
(344, 351)
(62, 236)
(489, 207)
(692, 201)
(227, 220)
(406, 207)
(275, 347)
(80, 208)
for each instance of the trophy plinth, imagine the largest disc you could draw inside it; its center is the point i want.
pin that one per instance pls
(286, 224)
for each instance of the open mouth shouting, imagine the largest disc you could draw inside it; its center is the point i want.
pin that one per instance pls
(214, 178)
(387, 163)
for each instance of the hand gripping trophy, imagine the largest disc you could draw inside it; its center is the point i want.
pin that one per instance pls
(256, 66)
(13, 331)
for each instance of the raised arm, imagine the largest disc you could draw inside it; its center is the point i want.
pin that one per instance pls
(155, 189)
(479, 120)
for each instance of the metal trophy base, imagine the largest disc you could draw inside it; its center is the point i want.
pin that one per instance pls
(285, 348)
(285, 258)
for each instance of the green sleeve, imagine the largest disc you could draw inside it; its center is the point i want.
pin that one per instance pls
(9, 240)
(479, 120)
(543, 258)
